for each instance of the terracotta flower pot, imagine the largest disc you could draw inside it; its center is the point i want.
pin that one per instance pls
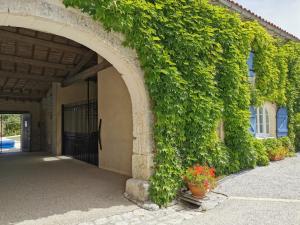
(277, 158)
(197, 191)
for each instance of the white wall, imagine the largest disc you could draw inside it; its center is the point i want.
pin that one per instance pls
(115, 110)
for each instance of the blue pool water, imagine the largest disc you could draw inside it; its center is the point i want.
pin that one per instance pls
(7, 143)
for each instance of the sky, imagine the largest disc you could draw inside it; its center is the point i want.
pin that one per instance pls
(283, 13)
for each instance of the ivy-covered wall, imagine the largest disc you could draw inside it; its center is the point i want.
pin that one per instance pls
(194, 57)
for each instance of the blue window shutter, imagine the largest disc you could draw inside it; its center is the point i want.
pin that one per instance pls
(282, 122)
(251, 73)
(250, 63)
(253, 120)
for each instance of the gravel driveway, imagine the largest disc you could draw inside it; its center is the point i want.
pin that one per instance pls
(262, 196)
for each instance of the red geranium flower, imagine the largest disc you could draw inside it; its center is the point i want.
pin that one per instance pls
(212, 171)
(198, 169)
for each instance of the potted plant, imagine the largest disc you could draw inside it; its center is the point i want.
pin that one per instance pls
(200, 180)
(278, 153)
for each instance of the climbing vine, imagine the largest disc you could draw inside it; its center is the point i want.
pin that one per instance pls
(194, 57)
(292, 51)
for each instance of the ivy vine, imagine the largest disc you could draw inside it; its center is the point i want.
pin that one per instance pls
(194, 57)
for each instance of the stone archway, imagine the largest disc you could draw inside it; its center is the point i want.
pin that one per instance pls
(51, 16)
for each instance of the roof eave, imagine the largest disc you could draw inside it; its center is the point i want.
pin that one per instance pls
(247, 14)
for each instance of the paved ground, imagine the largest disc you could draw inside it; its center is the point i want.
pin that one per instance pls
(263, 196)
(38, 189)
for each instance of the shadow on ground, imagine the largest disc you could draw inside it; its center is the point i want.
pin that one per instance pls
(36, 186)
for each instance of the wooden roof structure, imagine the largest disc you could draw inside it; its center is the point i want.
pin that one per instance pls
(31, 60)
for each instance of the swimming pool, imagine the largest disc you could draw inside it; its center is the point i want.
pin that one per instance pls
(7, 143)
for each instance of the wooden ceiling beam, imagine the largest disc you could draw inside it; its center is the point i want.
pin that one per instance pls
(21, 99)
(27, 76)
(23, 90)
(85, 59)
(35, 62)
(86, 73)
(13, 95)
(7, 35)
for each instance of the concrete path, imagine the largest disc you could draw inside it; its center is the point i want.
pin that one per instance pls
(263, 196)
(36, 189)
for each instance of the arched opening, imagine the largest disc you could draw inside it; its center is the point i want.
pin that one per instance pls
(113, 65)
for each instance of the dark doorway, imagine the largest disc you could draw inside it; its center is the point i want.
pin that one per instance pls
(80, 132)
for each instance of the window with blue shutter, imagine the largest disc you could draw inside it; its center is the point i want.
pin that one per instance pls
(253, 120)
(250, 63)
(282, 122)
(262, 122)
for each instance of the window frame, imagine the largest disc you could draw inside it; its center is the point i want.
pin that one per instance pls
(251, 71)
(262, 122)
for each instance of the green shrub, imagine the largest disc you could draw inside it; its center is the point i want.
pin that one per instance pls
(297, 132)
(286, 143)
(11, 124)
(219, 159)
(278, 148)
(278, 153)
(262, 158)
(271, 143)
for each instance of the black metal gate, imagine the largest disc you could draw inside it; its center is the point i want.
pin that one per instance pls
(80, 131)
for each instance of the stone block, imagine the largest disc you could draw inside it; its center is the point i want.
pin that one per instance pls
(142, 166)
(137, 190)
